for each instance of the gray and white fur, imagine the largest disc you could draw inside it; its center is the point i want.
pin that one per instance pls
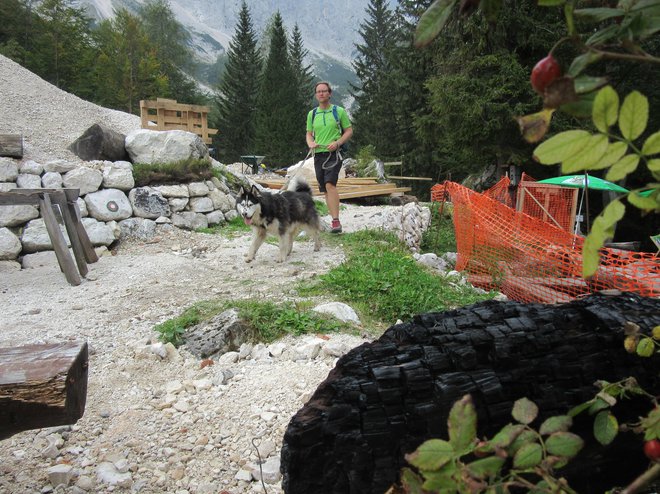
(283, 214)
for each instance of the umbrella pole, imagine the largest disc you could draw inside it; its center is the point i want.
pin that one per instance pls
(586, 205)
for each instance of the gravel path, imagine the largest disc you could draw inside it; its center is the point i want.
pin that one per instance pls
(152, 424)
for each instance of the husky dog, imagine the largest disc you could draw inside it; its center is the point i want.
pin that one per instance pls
(283, 214)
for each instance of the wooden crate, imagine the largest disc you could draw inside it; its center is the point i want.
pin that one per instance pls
(167, 114)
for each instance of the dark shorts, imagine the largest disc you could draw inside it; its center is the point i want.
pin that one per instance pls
(327, 166)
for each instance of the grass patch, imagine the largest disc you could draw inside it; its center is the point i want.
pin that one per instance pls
(439, 237)
(177, 172)
(382, 280)
(272, 321)
(233, 228)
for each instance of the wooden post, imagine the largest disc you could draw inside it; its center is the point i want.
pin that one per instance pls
(11, 145)
(42, 386)
(59, 244)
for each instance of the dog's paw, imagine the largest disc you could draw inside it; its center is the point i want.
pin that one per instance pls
(249, 259)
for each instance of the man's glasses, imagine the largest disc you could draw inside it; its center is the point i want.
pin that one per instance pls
(321, 91)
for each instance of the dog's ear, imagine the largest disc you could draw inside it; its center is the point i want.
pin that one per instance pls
(255, 191)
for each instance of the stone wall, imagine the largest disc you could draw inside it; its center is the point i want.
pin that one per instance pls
(110, 204)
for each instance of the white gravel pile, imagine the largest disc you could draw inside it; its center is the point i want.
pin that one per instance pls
(48, 118)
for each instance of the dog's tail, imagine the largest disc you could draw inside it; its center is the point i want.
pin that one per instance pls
(298, 184)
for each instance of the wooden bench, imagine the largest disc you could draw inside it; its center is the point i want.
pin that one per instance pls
(65, 200)
(42, 386)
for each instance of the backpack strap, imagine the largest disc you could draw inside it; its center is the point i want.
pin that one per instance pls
(335, 114)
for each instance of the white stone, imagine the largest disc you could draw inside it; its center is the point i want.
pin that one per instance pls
(31, 167)
(339, 310)
(28, 181)
(59, 166)
(108, 205)
(8, 170)
(17, 215)
(154, 146)
(35, 237)
(51, 180)
(83, 178)
(198, 189)
(10, 245)
(107, 473)
(115, 177)
(99, 233)
(174, 191)
(60, 474)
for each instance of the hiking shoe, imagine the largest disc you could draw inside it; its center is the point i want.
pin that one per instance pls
(335, 227)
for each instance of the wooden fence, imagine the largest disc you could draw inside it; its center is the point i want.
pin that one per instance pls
(167, 114)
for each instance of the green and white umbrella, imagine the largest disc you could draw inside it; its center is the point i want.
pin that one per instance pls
(578, 182)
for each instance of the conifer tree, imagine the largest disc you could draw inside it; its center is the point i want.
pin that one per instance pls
(171, 42)
(60, 40)
(127, 69)
(280, 134)
(373, 116)
(303, 78)
(237, 93)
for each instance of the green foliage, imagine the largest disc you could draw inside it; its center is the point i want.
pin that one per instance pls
(484, 91)
(172, 331)
(613, 149)
(127, 69)
(234, 228)
(278, 127)
(237, 93)
(185, 171)
(439, 236)
(303, 77)
(374, 117)
(271, 321)
(365, 159)
(381, 278)
(516, 457)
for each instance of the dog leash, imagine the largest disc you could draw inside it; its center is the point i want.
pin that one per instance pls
(325, 165)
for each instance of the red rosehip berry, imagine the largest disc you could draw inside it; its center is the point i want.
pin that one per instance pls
(652, 449)
(544, 72)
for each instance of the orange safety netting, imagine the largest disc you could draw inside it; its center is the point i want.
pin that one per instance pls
(532, 260)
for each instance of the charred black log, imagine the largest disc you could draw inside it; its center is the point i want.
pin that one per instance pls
(383, 399)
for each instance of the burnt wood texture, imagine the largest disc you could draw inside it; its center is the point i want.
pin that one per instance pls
(42, 386)
(383, 399)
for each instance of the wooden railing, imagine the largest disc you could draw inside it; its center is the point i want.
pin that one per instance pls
(167, 114)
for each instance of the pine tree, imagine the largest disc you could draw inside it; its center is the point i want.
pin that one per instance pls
(60, 42)
(374, 116)
(280, 133)
(127, 69)
(171, 42)
(303, 79)
(237, 93)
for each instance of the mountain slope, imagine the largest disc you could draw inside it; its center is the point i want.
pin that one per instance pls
(329, 27)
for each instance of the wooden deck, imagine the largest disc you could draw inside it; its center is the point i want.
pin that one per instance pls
(348, 188)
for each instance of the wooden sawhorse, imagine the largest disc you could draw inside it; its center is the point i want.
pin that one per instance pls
(65, 200)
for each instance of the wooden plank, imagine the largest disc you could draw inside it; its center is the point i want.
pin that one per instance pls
(410, 178)
(88, 248)
(72, 231)
(57, 239)
(42, 386)
(374, 192)
(11, 145)
(533, 292)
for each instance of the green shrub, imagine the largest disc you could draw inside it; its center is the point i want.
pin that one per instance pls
(185, 171)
